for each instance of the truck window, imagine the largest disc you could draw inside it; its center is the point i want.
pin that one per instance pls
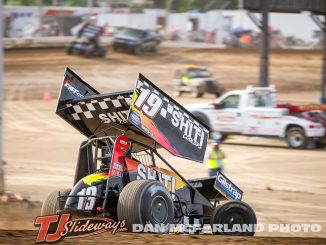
(231, 101)
(259, 100)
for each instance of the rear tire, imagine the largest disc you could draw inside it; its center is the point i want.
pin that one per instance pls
(51, 205)
(137, 50)
(145, 202)
(155, 48)
(296, 138)
(231, 213)
(102, 53)
(202, 118)
(177, 93)
(217, 94)
(88, 55)
(69, 50)
(196, 94)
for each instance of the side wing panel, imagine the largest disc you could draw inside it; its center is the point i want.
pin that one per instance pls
(160, 117)
(88, 111)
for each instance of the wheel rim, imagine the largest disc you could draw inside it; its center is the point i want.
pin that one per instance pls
(235, 216)
(159, 209)
(296, 138)
(194, 93)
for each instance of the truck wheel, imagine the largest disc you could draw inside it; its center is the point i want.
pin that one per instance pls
(88, 54)
(218, 94)
(177, 93)
(296, 138)
(203, 118)
(226, 216)
(155, 48)
(196, 94)
(223, 137)
(137, 50)
(51, 205)
(145, 202)
(69, 50)
(102, 52)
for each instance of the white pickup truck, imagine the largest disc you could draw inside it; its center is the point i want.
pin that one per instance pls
(253, 112)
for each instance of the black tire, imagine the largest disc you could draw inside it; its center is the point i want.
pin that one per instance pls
(177, 93)
(155, 48)
(231, 213)
(88, 55)
(201, 117)
(51, 205)
(145, 202)
(218, 94)
(102, 52)
(223, 137)
(137, 50)
(296, 138)
(69, 50)
(195, 93)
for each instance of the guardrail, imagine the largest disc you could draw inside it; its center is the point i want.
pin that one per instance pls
(61, 42)
(44, 42)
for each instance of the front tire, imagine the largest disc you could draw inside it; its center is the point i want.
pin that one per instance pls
(218, 94)
(232, 213)
(296, 138)
(145, 202)
(195, 93)
(51, 205)
(155, 48)
(102, 52)
(137, 50)
(69, 50)
(177, 93)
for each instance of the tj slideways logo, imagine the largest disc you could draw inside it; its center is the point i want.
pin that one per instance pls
(54, 228)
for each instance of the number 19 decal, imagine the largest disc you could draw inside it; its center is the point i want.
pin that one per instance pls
(148, 102)
(84, 202)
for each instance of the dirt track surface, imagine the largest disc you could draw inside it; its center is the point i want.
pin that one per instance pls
(29, 72)
(28, 237)
(282, 185)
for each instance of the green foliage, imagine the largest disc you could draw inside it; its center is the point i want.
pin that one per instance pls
(19, 2)
(204, 5)
(177, 5)
(70, 3)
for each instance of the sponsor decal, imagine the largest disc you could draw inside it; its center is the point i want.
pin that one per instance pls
(116, 169)
(226, 187)
(146, 130)
(72, 89)
(168, 181)
(135, 118)
(117, 166)
(54, 228)
(196, 184)
(168, 123)
(114, 117)
(257, 116)
(191, 132)
(225, 118)
(312, 107)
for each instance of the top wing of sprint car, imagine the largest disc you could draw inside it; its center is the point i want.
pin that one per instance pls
(146, 115)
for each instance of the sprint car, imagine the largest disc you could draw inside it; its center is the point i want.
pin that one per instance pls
(87, 42)
(197, 81)
(121, 173)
